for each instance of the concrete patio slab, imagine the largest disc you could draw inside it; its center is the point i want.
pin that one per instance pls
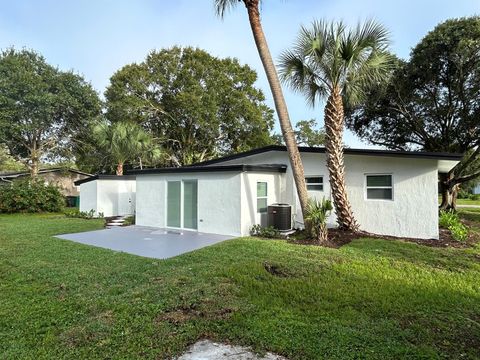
(209, 350)
(147, 241)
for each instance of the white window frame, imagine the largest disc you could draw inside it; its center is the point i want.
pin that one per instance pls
(366, 187)
(315, 176)
(261, 197)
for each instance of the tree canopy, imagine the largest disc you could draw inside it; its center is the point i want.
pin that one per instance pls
(197, 105)
(432, 101)
(42, 109)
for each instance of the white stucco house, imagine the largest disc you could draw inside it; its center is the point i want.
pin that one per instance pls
(109, 195)
(391, 192)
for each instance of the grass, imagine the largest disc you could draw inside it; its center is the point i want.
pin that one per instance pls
(370, 299)
(463, 201)
(468, 202)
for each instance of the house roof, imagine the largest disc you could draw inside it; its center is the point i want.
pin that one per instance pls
(347, 151)
(218, 168)
(13, 175)
(104, 177)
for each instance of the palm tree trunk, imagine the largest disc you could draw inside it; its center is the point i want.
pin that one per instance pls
(120, 169)
(335, 163)
(323, 234)
(279, 100)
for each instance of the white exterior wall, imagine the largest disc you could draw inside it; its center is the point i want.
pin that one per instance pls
(88, 196)
(275, 192)
(108, 196)
(412, 213)
(219, 201)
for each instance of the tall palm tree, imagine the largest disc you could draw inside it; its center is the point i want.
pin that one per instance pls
(339, 65)
(124, 141)
(288, 133)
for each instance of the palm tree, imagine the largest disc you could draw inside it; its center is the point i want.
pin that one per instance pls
(124, 141)
(288, 133)
(339, 65)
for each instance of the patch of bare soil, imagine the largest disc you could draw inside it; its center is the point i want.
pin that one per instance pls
(337, 238)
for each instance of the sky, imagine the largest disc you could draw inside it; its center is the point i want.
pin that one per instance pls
(97, 37)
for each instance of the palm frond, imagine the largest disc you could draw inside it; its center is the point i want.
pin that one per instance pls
(327, 56)
(223, 6)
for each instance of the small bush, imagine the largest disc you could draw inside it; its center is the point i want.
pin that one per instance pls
(265, 232)
(450, 220)
(129, 220)
(75, 213)
(316, 218)
(463, 194)
(30, 196)
(474, 197)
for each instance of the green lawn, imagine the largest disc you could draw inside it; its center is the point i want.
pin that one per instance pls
(463, 201)
(369, 299)
(468, 202)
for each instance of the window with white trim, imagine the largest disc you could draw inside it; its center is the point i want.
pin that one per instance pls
(379, 186)
(262, 197)
(314, 183)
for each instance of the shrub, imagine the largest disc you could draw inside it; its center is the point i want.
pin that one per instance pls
(463, 194)
(450, 220)
(75, 213)
(265, 232)
(129, 220)
(316, 218)
(30, 196)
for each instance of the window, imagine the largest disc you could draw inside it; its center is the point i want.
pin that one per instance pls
(379, 187)
(314, 183)
(262, 197)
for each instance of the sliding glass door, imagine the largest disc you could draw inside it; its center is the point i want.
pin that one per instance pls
(182, 197)
(190, 204)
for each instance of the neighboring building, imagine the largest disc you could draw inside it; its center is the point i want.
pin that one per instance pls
(476, 189)
(392, 193)
(61, 177)
(109, 195)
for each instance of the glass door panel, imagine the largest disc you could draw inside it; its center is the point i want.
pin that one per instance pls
(174, 204)
(190, 204)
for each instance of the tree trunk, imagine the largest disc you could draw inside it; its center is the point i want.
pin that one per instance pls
(322, 237)
(34, 168)
(449, 192)
(280, 105)
(335, 163)
(34, 160)
(120, 169)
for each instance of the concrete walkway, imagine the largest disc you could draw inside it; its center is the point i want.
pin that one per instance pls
(147, 241)
(469, 206)
(208, 350)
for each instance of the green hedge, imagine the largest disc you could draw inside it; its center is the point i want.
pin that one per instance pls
(30, 196)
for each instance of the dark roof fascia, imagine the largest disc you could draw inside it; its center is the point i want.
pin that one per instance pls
(42, 171)
(219, 168)
(347, 151)
(104, 177)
